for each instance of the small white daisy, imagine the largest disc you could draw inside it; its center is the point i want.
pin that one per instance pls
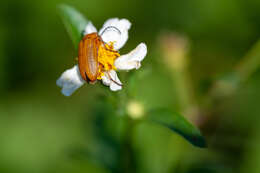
(71, 79)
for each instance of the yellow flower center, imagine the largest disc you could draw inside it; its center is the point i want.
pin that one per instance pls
(106, 57)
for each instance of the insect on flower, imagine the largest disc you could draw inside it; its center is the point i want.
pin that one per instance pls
(89, 49)
(99, 58)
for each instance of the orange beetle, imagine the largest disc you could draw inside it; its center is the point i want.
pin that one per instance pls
(88, 55)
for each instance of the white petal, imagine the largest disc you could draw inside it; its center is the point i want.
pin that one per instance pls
(111, 35)
(106, 80)
(70, 80)
(133, 59)
(90, 28)
(111, 79)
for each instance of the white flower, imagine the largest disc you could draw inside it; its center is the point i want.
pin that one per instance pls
(113, 31)
(70, 80)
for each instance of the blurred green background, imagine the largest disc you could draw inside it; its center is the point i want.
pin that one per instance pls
(43, 131)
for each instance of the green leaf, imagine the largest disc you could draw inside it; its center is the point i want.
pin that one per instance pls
(179, 124)
(74, 22)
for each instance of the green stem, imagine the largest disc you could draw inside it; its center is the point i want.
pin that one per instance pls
(128, 159)
(250, 63)
(183, 88)
(128, 164)
(230, 82)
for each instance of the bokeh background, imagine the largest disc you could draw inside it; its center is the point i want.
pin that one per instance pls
(194, 49)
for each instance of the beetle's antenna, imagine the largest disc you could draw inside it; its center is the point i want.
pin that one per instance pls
(110, 27)
(114, 80)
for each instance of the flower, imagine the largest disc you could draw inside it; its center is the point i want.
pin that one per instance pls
(114, 33)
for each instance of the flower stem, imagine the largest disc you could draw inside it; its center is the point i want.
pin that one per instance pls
(249, 63)
(128, 163)
(127, 157)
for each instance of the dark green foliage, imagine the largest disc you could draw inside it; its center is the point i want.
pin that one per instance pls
(179, 124)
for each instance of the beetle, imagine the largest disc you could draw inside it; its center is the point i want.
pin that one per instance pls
(88, 55)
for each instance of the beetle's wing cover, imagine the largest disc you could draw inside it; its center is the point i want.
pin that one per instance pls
(88, 57)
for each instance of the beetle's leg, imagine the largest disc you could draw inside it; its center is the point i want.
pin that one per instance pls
(88, 80)
(104, 44)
